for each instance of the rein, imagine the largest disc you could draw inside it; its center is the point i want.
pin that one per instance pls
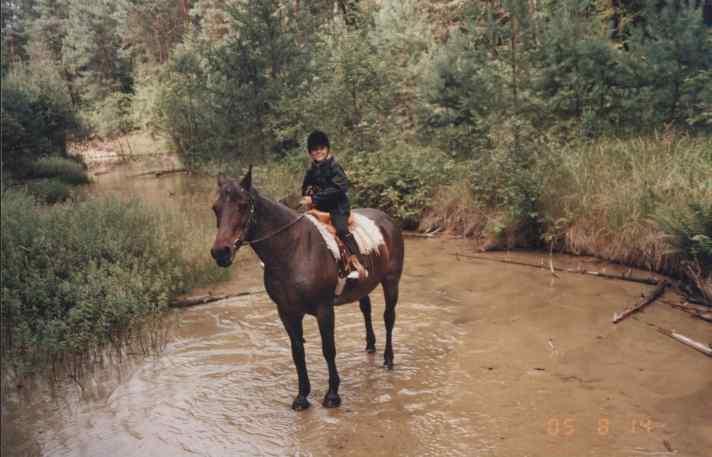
(250, 224)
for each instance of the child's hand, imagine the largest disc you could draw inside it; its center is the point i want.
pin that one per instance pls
(306, 201)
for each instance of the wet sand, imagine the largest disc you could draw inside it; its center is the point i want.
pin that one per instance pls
(491, 360)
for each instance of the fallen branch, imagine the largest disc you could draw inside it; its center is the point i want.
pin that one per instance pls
(159, 173)
(203, 299)
(622, 277)
(418, 235)
(703, 348)
(698, 311)
(657, 292)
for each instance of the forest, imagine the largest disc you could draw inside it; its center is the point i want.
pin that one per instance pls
(577, 126)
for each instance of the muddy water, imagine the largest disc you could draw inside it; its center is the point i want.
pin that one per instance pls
(491, 360)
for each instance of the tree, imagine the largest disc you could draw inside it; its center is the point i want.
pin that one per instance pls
(91, 50)
(152, 28)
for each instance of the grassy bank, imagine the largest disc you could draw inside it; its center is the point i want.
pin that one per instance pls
(643, 201)
(50, 179)
(82, 276)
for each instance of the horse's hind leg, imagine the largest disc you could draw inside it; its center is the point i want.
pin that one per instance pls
(325, 316)
(365, 305)
(390, 293)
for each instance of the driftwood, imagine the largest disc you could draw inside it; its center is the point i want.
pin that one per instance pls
(699, 311)
(418, 235)
(159, 173)
(203, 299)
(703, 348)
(651, 297)
(622, 277)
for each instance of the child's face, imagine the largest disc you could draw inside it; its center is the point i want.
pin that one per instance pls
(319, 153)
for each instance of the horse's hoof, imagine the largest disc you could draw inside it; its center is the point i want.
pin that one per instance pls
(331, 400)
(371, 348)
(300, 403)
(388, 365)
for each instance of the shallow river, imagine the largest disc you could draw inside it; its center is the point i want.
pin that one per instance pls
(491, 359)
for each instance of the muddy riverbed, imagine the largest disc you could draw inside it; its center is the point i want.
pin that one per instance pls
(490, 360)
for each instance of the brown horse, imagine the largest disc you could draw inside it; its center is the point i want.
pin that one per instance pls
(301, 274)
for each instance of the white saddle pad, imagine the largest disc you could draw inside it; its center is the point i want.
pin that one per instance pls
(367, 234)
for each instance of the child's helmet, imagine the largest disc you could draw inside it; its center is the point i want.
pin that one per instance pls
(316, 139)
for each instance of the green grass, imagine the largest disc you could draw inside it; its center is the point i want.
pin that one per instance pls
(603, 198)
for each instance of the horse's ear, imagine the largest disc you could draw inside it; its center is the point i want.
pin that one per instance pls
(222, 180)
(246, 182)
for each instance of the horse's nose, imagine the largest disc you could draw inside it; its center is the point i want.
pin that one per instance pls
(221, 255)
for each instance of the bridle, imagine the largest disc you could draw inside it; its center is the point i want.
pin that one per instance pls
(250, 224)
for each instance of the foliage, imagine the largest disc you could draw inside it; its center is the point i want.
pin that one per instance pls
(505, 180)
(673, 49)
(690, 232)
(91, 50)
(400, 180)
(67, 170)
(49, 190)
(112, 115)
(36, 117)
(150, 30)
(457, 96)
(79, 276)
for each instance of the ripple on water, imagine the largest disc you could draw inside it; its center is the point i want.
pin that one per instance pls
(224, 387)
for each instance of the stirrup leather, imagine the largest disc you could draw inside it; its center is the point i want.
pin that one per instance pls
(359, 271)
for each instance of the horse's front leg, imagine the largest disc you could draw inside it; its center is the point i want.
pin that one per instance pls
(293, 325)
(325, 316)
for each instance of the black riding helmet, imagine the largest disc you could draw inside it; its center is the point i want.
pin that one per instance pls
(316, 139)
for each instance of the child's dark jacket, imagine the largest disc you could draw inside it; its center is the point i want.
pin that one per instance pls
(328, 184)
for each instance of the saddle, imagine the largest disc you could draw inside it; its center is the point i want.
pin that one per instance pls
(325, 218)
(345, 264)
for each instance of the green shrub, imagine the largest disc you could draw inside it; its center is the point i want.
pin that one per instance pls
(81, 275)
(36, 116)
(505, 181)
(400, 181)
(112, 115)
(67, 170)
(689, 232)
(50, 191)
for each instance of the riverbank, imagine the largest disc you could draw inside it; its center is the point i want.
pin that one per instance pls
(95, 273)
(147, 150)
(643, 202)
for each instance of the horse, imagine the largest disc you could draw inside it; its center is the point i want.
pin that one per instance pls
(300, 273)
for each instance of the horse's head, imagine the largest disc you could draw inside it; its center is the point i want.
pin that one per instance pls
(234, 213)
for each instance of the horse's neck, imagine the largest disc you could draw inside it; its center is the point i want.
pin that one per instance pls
(271, 218)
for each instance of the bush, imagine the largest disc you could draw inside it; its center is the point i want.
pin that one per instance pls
(112, 115)
(505, 181)
(67, 170)
(400, 181)
(689, 234)
(36, 116)
(49, 191)
(82, 275)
